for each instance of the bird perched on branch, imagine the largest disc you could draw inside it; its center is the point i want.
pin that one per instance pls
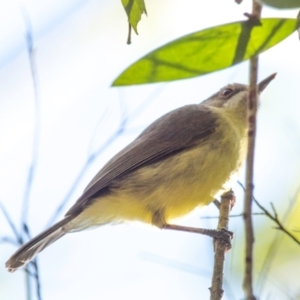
(180, 162)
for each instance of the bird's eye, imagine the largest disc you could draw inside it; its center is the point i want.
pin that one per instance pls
(226, 92)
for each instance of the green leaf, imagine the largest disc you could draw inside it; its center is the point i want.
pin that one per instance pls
(134, 10)
(207, 51)
(282, 3)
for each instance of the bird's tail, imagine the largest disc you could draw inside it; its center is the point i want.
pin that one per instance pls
(29, 250)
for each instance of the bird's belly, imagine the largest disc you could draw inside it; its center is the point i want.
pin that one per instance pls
(169, 188)
(177, 185)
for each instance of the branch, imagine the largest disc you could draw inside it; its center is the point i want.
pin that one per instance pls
(252, 111)
(32, 168)
(36, 276)
(234, 216)
(273, 248)
(9, 240)
(275, 218)
(220, 248)
(28, 283)
(11, 224)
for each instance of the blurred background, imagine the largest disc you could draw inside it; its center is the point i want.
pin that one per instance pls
(76, 122)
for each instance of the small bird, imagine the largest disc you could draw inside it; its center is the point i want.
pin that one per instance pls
(180, 162)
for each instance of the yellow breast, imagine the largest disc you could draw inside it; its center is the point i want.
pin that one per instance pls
(174, 186)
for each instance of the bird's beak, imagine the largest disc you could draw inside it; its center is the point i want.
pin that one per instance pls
(263, 84)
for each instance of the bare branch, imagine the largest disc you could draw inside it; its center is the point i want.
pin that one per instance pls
(273, 247)
(34, 158)
(9, 240)
(234, 216)
(275, 218)
(37, 278)
(11, 224)
(220, 248)
(28, 283)
(252, 111)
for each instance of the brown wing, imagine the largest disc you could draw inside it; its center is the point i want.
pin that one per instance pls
(173, 132)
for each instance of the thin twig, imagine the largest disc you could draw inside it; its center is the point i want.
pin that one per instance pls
(216, 290)
(273, 248)
(234, 216)
(101, 124)
(37, 278)
(34, 159)
(11, 223)
(9, 240)
(252, 111)
(28, 283)
(274, 218)
(32, 168)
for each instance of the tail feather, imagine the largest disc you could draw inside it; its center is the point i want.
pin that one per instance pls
(29, 250)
